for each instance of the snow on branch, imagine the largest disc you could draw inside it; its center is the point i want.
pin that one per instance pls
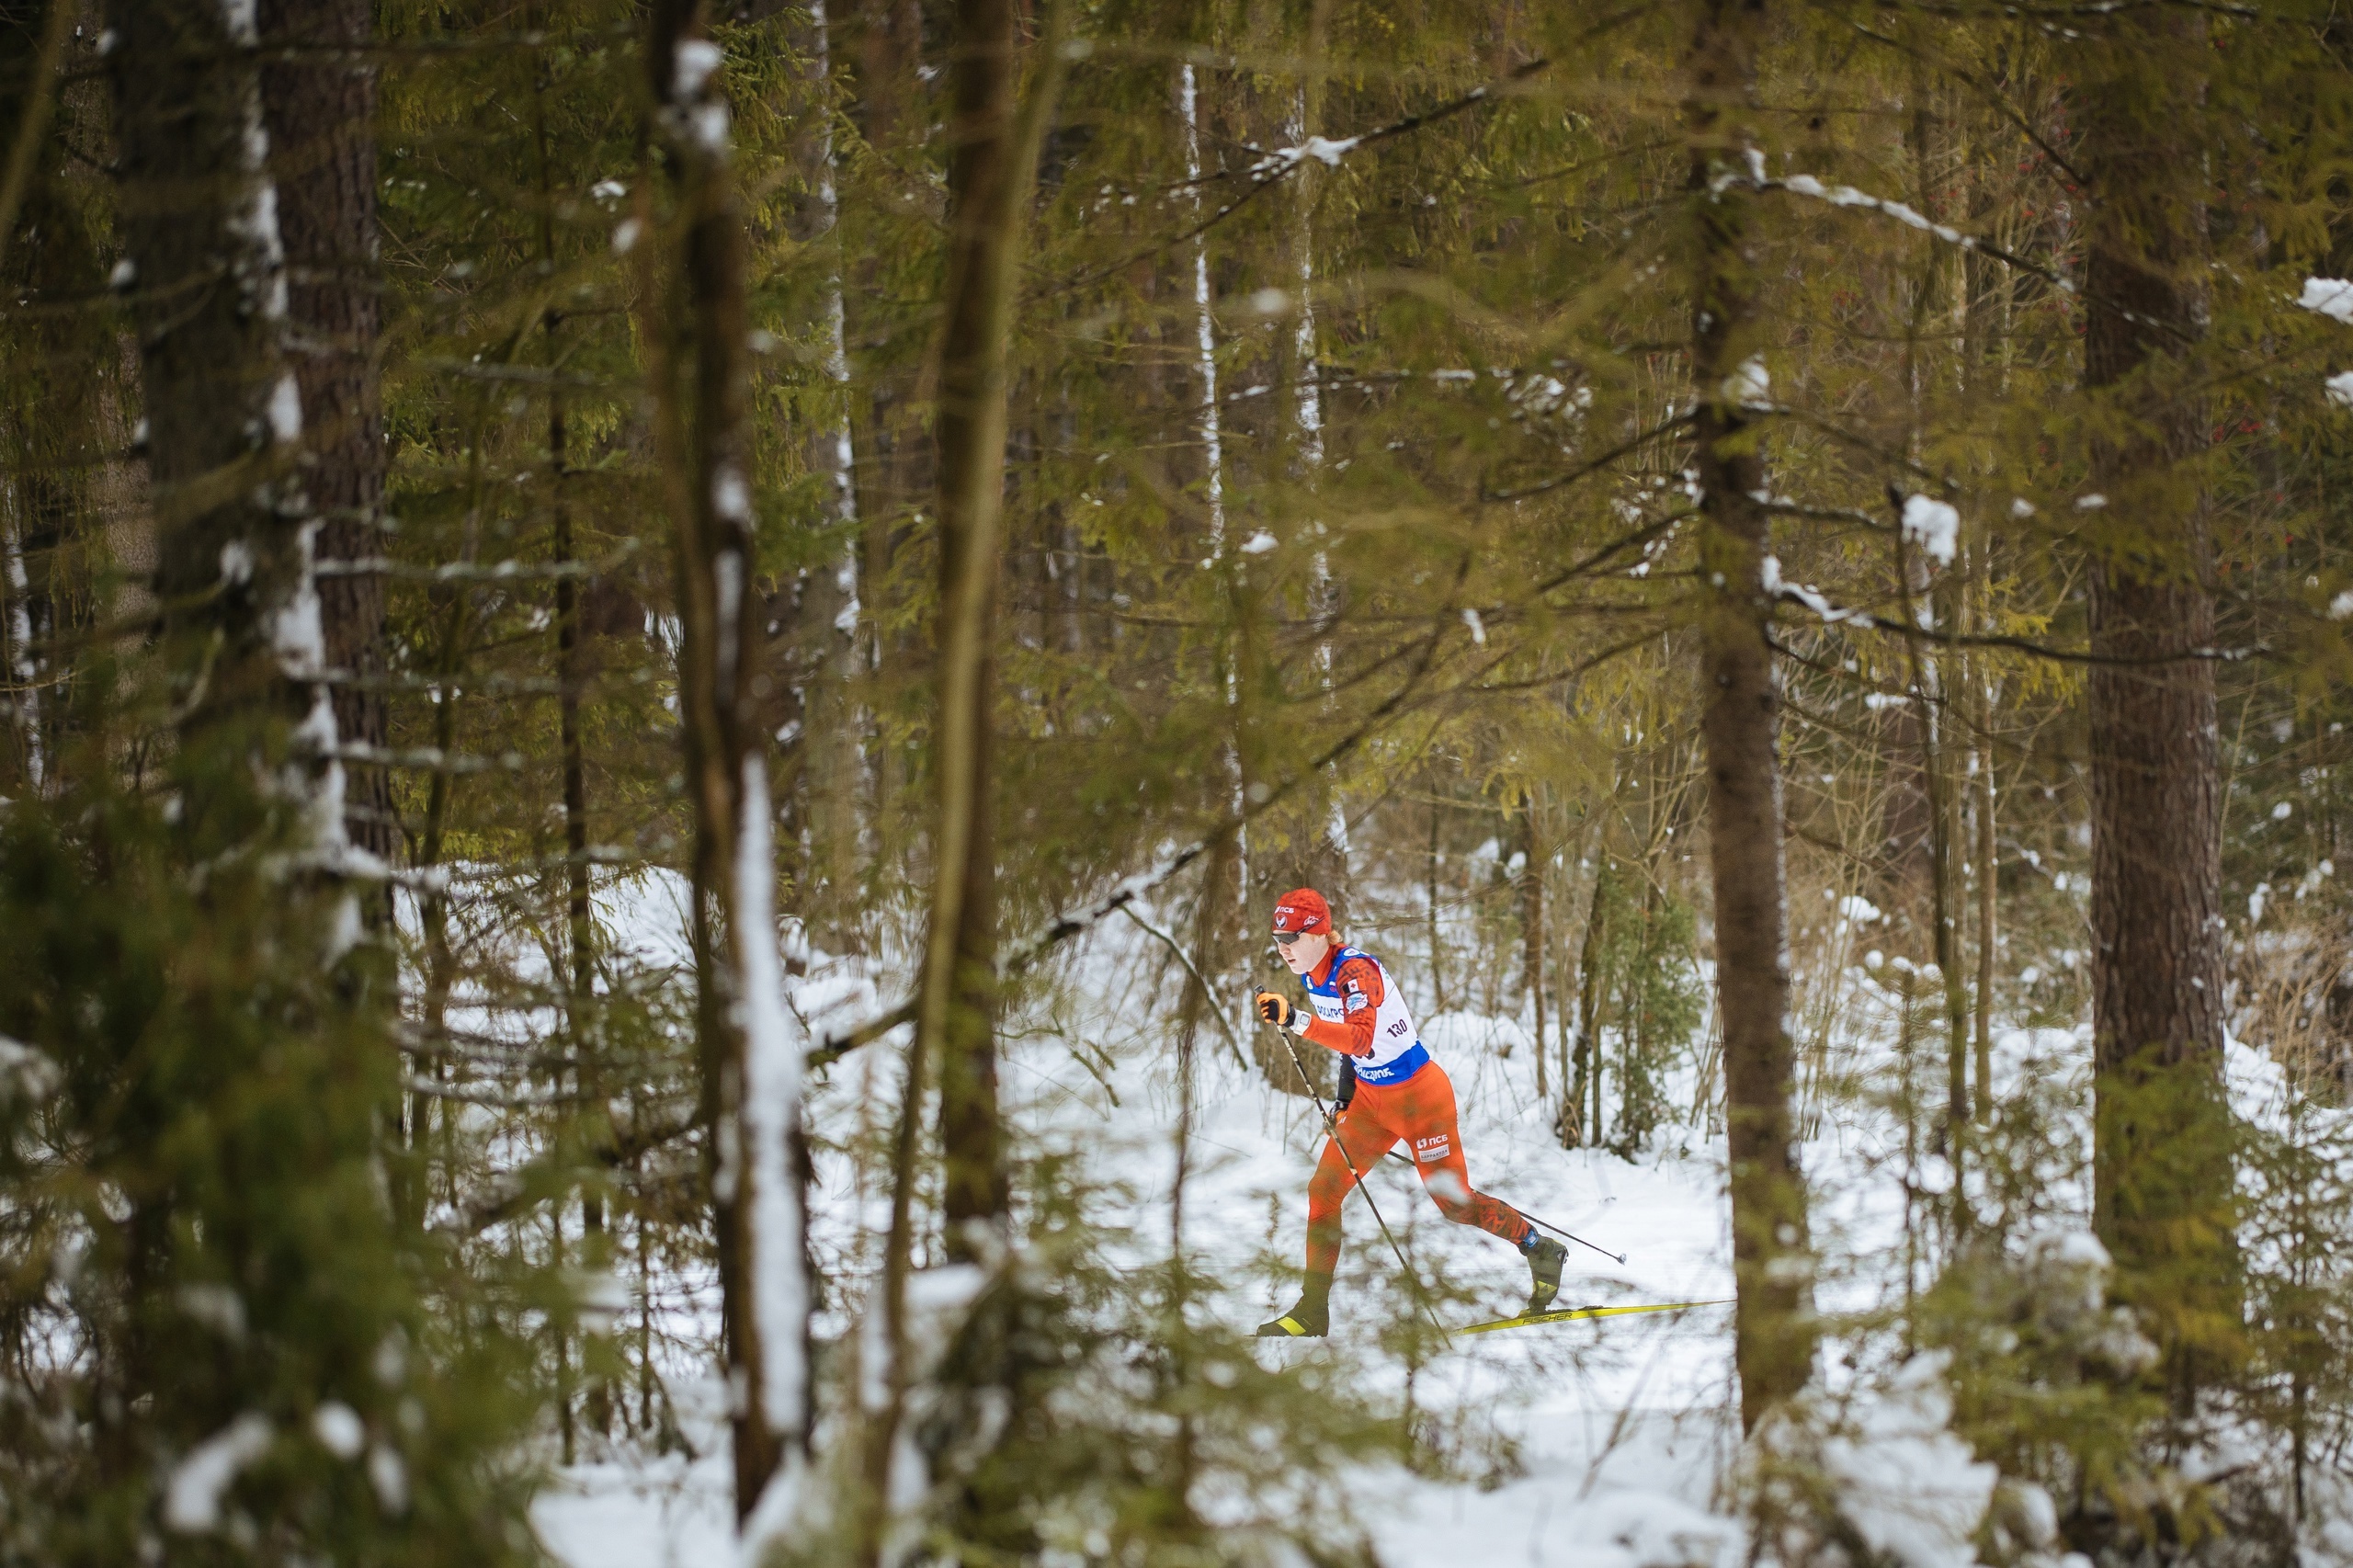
(1810, 599)
(489, 1094)
(1934, 526)
(1848, 196)
(2331, 297)
(1273, 165)
(1803, 594)
(473, 572)
(425, 760)
(192, 1493)
(1283, 160)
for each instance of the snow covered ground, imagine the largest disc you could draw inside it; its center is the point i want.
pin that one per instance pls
(1602, 1442)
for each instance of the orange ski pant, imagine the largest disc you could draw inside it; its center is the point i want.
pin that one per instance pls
(1420, 1112)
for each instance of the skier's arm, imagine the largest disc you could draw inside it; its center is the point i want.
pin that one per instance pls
(1361, 992)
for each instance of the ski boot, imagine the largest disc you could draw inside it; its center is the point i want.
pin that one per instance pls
(1312, 1319)
(1545, 1257)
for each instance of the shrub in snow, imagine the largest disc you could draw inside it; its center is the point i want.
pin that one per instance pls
(1874, 1479)
(2049, 1384)
(183, 1041)
(2296, 1180)
(1641, 1009)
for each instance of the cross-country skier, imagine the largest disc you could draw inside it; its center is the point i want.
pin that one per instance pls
(1389, 1090)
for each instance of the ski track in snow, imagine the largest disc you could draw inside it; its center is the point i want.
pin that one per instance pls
(1618, 1432)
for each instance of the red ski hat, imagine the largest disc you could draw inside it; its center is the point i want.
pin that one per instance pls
(1303, 909)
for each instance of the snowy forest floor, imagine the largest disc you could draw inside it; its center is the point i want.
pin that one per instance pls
(1602, 1442)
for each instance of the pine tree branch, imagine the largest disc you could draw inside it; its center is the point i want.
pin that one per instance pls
(1986, 91)
(477, 572)
(1848, 196)
(1587, 470)
(1277, 164)
(509, 1193)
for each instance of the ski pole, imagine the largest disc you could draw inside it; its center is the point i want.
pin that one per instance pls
(1332, 1131)
(1572, 1235)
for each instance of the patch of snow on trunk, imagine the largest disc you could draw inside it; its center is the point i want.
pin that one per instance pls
(774, 1045)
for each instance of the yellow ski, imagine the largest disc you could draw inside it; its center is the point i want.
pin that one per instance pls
(1529, 1320)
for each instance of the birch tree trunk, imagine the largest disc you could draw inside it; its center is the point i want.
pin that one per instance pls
(1773, 1345)
(833, 764)
(259, 793)
(206, 261)
(2161, 1163)
(750, 1047)
(318, 93)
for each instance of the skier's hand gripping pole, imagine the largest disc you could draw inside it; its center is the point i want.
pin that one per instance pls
(1276, 1009)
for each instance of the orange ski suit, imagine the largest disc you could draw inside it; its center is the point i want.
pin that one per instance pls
(1418, 1110)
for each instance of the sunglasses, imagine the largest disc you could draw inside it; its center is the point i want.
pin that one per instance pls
(1285, 938)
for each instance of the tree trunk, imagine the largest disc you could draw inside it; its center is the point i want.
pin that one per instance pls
(572, 666)
(1988, 286)
(992, 160)
(750, 1047)
(1532, 929)
(1438, 951)
(319, 106)
(1988, 932)
(1773, 1345)
(1578, 1124)
(1932, 703)
(252, 767)
(988, 191)
(224, 410)
(2161, 1163)
(53, 409)
(833, 764)
(890, 444)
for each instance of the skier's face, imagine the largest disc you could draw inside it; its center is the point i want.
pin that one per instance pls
(1304, 951)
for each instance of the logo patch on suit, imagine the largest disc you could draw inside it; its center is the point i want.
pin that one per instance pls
(1428, 1149)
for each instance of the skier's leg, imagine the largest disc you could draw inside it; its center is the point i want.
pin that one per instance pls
(1365, 1136)
(1437, 1141)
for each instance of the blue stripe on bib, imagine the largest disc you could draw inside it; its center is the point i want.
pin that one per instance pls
(1397, 1070)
